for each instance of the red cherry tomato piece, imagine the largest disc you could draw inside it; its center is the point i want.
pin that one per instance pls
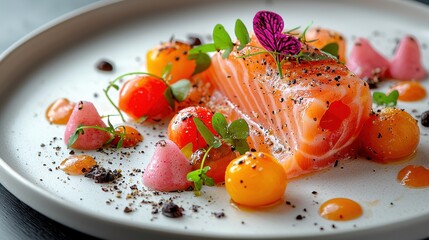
(182, 129)
(143, 96)
(217, 159)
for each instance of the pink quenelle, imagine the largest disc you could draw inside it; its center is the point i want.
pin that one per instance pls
(85, 114)
(366, 62)
(406, 64)
(167, 168)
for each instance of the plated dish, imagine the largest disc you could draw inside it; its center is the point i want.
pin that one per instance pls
(71, 72)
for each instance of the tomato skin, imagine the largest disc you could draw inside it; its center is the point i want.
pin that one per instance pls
(143, 96)
(174, 52)
(182, 129)
(389, 135)
(255, 180)
(217, 159)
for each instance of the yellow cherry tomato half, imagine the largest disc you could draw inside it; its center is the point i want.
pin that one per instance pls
(255, 180)
(174, 52)
(389, 135)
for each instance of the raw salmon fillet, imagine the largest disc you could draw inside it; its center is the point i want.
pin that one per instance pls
(308, 119)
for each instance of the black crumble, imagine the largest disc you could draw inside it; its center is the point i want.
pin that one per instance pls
(102, 175)
(105, 66)
(219, 214)
(172, 210)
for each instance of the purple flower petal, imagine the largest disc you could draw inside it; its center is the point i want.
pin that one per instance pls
(268, 27)
(287, 44)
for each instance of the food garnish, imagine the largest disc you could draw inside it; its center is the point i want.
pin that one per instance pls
(268, 27)
(382, 99)
(234, 134)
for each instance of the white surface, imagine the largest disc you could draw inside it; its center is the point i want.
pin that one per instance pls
(59, 62)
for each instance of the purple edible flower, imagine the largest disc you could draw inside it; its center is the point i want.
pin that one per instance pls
(268, 27)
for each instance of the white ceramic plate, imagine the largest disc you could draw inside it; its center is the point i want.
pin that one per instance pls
(58, 61)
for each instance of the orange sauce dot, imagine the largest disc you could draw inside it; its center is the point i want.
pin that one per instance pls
(77, 165)
(340, 209)
(414, 176)
(409, 91)
(59, 111)
(130, 139)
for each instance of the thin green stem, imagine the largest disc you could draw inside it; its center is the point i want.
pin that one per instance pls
(204, 157)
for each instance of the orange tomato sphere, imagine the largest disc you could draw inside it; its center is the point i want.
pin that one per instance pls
(409, 91)
(389, 135)
(255, 179)
(143, 96)
(323, 37)
(174, 52)
(340, 209)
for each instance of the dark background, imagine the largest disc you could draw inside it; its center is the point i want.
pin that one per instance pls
(17, 18)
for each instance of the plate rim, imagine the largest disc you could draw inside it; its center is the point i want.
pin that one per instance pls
(8, 175)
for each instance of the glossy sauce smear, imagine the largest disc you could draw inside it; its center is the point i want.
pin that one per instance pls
(414, 176)
(340, 209)
(78, 164)
(59, 111)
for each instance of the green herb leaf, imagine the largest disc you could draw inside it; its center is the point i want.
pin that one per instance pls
(166, 72)
(114, 86)
(202, 61)
(73, 138)
(238, 129)
(168, 93)
(241, 145)
(208, 136)
(302, 37)
(381, 99)
(331, 48)
(219, 124)
(205, 48)
(222, 40)
(193, 176)
(208, 181)
(180, 89)
(312, 56)
(241, 33)
(110, 124)
(199, 178)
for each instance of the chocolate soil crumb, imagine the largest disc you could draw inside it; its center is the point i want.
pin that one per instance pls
(300, 217)
(102, 175)
(105, 66)
(172, 210)
(127, 210)
(219, 214)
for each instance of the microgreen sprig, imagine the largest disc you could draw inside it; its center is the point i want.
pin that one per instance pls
(381, 99)
(233, 134)
(80, 130)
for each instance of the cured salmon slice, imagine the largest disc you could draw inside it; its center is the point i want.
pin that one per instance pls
(308, 119)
